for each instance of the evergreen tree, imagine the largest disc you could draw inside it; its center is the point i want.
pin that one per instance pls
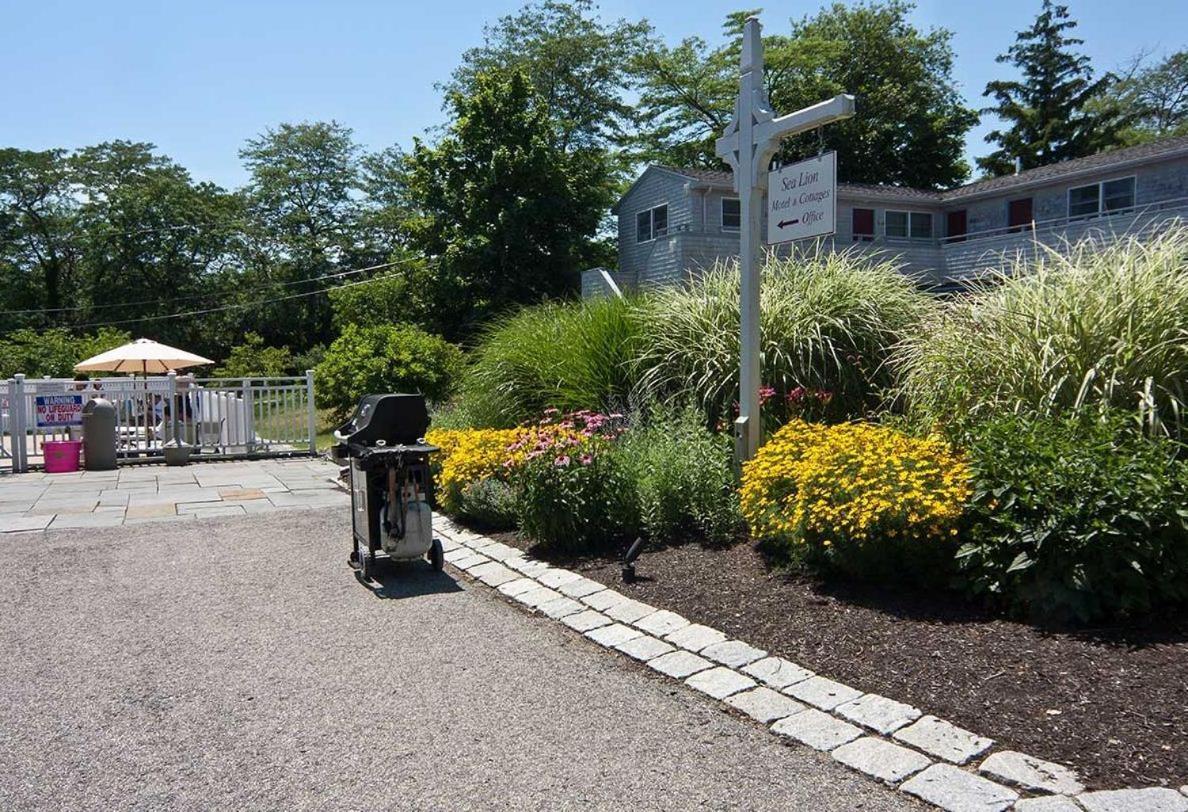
(1053, 109)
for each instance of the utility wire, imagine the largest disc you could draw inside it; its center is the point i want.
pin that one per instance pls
(237, 306)
(42, 311)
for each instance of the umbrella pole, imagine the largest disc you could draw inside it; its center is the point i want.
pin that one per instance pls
(148, 406)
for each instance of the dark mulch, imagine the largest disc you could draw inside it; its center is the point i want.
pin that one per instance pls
(1112, 702)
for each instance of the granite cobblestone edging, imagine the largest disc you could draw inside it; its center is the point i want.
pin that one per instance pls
(889, 741)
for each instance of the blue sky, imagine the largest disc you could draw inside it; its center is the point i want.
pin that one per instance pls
(199, 78)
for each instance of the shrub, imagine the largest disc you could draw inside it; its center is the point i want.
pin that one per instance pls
(682, 478)
(253, 359)
(828, 321)
(308, 359)
(1076, 518)
(1100, 328)
(568, 356)
(392, 358)
(573, 492)
(489, 504)
(874, 502)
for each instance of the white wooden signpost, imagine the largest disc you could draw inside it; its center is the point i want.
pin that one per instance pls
(748, 145)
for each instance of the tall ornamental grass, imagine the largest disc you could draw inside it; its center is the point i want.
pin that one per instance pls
(1093, 329)
(569, 356)
(828, 321)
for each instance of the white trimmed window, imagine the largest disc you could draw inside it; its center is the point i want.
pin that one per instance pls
(905, 225)
(731, 214)
(1101, 198)
(651, 224)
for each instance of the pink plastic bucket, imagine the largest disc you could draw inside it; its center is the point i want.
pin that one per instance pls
(61, 456)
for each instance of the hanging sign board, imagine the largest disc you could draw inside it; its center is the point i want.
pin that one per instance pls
(58, 411)
(802, 200)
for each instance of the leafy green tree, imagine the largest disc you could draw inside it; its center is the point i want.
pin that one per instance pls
(578, 64)
(255, 359)
(394, 295)
(109, 234)
(505, 215)
(1050, 110)
(388, 358)
(303, 202)
(38, 257)
(385, 208)
(302, 179)
(910, 125)
(1154, 98)
(54, 352)
(152, 243)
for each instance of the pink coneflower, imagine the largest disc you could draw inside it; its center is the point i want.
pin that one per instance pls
(586, 459)
(561, 461)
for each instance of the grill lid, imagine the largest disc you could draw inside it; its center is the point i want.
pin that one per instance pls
(396, 419)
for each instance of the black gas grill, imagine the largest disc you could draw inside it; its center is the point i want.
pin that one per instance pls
(391, 481)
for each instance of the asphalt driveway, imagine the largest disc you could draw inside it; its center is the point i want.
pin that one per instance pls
(237, 663)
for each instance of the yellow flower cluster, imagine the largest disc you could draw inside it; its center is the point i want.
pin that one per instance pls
(853, 482)
(467, 456)
(472, 455)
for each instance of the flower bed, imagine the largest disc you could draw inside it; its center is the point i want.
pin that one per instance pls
(868, 499)
(589, 481)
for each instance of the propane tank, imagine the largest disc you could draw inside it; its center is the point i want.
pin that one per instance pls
(409, 523)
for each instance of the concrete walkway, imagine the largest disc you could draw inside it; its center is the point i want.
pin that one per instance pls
(86, 499)
(238, 664)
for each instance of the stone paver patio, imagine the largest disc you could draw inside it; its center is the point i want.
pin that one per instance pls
(153, 493)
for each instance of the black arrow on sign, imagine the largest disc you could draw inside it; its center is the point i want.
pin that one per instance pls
(785, 223)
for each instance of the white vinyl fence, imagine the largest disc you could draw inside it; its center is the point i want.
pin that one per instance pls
(222, 418)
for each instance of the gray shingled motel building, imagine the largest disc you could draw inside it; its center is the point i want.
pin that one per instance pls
(675, 222)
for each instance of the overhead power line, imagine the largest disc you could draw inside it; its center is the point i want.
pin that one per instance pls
(236, 306)
(33, 311)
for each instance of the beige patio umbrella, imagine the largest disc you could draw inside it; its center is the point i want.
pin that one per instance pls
(142, 356)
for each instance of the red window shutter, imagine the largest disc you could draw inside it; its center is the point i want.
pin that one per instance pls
(863, 220)
(1019, 212)
(956, 225)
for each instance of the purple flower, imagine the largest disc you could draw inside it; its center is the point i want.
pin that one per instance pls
(586, 459)
(561, 461)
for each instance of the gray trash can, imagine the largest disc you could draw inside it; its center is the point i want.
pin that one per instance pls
(99, 435)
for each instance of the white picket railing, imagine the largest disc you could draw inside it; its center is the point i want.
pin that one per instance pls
(222, 418)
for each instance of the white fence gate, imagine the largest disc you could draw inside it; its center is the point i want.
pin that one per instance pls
(223, 418)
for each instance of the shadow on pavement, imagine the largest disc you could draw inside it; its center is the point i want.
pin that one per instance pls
(394, 580)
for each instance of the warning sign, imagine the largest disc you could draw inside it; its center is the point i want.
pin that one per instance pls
(58, 411)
